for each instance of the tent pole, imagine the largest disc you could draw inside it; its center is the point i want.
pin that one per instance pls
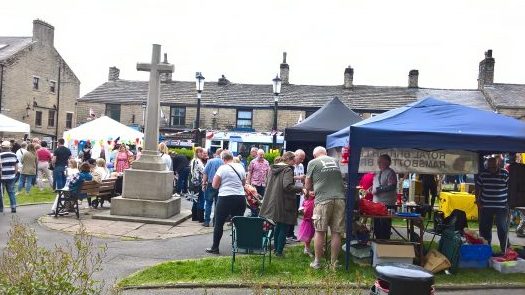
(353, 168)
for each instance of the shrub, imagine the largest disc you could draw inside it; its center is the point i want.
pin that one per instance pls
(183, 151)
(27, 268)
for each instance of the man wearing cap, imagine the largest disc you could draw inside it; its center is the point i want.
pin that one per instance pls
(9, 168)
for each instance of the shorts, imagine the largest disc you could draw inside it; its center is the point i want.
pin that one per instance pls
(330, 213)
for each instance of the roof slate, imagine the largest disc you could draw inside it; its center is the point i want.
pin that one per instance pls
(506, 95)
(14, 45)
(360, 97)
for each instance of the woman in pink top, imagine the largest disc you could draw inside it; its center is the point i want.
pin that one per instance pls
(122, 160)
(44, 158)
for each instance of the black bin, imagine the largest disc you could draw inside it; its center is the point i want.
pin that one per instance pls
(404, 278)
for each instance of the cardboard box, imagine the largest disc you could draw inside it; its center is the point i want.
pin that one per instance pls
(387, 252)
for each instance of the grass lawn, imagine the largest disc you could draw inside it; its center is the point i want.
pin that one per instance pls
(292, 270)
(35, 196)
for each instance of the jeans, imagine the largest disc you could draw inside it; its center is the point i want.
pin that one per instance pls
(281, 229)
(233, 205)
(43, 171)
(27, 181)
(382, 228)
(260, 190)
(9, 185)
(182, 181)
(199, 205)
(210, 196)
(59, 177)
(486, 220)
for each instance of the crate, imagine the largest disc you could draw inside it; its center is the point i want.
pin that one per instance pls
(517, 266)
(474, 256)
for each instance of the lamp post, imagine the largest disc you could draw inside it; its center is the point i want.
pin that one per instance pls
(143, 115)
(276, 90)
(199, 84)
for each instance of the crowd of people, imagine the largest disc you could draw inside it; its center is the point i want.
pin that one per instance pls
(218, 185)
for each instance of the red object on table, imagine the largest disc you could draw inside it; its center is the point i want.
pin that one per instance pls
(372, 208)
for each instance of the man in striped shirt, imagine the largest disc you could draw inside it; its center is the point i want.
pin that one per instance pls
(9, 168)
(491, 197)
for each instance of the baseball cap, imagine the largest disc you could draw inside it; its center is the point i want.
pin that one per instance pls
(6, 144)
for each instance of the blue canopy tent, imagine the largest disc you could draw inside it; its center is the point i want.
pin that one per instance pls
(427, 124)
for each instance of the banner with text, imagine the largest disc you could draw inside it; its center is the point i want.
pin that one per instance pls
(420, 161)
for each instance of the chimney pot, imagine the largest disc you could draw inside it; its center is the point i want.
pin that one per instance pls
(113, 74)
(285, 71)
(349, 78)
(413, 77)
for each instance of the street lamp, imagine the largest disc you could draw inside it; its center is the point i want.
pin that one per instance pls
(143, 115)
(199, 84)
(276, 90)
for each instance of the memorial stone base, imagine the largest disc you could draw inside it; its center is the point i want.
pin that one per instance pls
(146, 193)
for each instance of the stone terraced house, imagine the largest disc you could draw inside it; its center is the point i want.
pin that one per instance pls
(36, 84)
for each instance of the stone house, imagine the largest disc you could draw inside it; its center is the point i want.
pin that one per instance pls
(235, 106)
(36, 84)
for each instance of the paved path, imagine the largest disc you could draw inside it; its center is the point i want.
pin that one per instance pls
(126, 255)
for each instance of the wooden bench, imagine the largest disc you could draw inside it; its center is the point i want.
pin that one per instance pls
(68, 201)
(105, 192)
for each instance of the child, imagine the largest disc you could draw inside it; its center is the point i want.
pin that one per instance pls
(306, 229)
(76, 182)
(72, 168)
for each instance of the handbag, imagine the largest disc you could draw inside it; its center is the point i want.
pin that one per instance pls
(195, 181)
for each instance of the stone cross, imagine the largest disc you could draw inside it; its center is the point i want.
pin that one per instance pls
(151, 129)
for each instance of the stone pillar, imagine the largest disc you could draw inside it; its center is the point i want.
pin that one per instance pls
(165, 77)
(148, 185)
(486, 70)
(285, 71)
(349, 77)
(43, 32)
(413, 77)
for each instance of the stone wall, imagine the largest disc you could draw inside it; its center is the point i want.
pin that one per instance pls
(21, 102)
(211, 117)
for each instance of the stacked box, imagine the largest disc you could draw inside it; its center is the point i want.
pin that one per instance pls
(474, 256)
(517, 266)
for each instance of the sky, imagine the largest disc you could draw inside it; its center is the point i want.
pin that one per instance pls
(382, 40)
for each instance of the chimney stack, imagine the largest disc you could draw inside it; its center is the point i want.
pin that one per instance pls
(486, 70)
(349, 78)
(43, 32)
(285, 71)
(413, 77)
(223, 81)
(113, 74)
(165, 77)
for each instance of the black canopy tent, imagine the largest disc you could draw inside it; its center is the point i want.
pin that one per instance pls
(312, 131)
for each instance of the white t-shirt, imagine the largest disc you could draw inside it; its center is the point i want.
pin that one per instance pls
(230, 182)
(167, 160)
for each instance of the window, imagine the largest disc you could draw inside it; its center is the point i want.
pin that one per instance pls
(35, 83)
(244, 118)
(308, 113)
(177, 116)
(69, 120)
(52, 86)
(51, 118)
(113, 111)
(38, 118)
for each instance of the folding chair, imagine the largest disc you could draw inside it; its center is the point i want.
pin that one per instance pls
(252, 236)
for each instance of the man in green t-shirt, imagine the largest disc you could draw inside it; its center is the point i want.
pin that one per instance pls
(324, 177)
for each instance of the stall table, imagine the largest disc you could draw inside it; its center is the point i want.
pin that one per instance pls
(448, 201)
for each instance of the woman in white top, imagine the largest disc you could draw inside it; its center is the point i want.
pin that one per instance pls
(229, 180)
(101, 169)
(165, 156)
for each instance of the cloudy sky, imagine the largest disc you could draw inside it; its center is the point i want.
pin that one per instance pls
(244, 40)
